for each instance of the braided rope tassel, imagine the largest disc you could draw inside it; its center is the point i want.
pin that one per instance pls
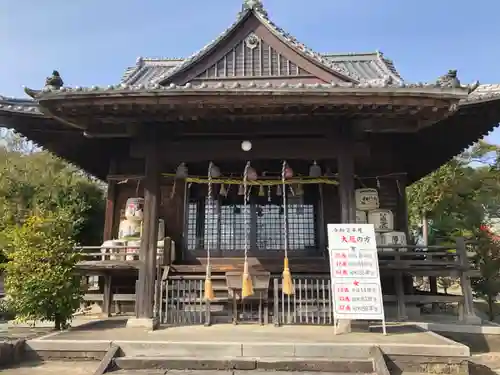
(209, 290)
(288, 288)
(246, 285)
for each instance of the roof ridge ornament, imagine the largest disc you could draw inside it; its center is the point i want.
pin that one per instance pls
(54, 81)
(449, 79)
(255, 5)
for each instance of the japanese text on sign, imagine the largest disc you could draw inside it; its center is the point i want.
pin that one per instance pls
(354, 272)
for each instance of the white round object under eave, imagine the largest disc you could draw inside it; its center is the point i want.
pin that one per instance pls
(246, 146)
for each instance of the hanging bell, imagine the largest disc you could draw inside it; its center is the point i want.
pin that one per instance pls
(181, 171)
(223, 190)
(299, 190)
(315, 170)
(262, 192)
(214, 171)
(278, 191)
(241, 190)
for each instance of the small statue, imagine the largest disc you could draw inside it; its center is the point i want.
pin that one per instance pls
(54, 81)
(450, 79)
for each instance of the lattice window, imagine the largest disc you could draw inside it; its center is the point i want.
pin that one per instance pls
(220, 224)
(192, 225)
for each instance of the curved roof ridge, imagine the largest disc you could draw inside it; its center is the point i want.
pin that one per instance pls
(387, 65)
(255, 7)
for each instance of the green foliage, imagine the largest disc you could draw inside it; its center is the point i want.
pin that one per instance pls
(40, 279)
(487, 260)
(31, 181)
(46, 207)
(459, 197)
(457, 200)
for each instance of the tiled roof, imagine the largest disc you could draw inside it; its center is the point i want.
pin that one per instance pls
(483, 93)
(372, 65)
(147, 70)
(355, 67)
(15, 105)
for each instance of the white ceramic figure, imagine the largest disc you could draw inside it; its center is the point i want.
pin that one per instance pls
(134, 209)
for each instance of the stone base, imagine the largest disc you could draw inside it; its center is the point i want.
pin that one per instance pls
(471, 320)
(146, 323)
(343, 326)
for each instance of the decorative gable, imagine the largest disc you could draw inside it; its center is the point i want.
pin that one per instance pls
(254, 48)
(253, 58)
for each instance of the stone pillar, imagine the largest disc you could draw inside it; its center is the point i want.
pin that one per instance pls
(468, 314)
(147, 253)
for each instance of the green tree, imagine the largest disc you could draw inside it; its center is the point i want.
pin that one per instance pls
(40, 279)
(487, 260)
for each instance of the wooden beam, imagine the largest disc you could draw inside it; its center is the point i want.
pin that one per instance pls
(197, 150)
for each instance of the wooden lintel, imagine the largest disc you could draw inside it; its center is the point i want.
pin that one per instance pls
(196, 150)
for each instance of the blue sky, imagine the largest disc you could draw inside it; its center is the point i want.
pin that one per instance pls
(91, 42)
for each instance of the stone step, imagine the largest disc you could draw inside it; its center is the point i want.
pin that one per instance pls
(291, 364)
(221, 372)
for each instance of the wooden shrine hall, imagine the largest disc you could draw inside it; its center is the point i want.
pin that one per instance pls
(221, 165)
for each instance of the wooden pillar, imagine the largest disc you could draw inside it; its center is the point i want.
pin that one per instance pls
(402, 282)
(147, 254)
(345, 167)
(109, 214)
(107, 295)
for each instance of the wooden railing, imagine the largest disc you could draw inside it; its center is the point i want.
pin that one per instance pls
(311, 302)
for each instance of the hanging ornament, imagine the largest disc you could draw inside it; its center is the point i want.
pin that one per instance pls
(378, 183)
(262, 193)
(181, 171)
(278, 191)
(315, 170)
(299, 190)
(252, 174)
(269, 192)
(223, 190)
(288, 172)
(241, 190)
(214, 171)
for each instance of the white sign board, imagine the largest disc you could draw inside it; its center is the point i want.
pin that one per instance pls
(354, 271)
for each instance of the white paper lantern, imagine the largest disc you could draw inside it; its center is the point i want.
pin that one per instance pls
(366, 199)
(394, 239)
(361, 217)
(382, 220)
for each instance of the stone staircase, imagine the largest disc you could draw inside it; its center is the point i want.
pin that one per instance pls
(242, 365)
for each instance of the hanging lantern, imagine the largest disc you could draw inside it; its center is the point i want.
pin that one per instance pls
(241, 190)
(315, 170)
(214, 171)
(288, 172)
(251, 174)
(278, 191)
(223, 190)
(181, 171)
(262, 193)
